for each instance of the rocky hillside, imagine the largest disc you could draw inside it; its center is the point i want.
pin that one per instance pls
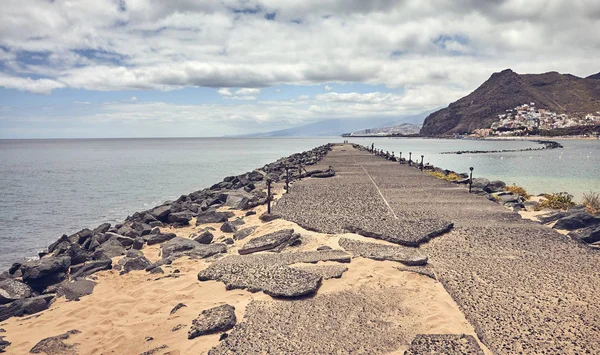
(562, 93)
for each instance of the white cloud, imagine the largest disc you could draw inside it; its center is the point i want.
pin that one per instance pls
(133, 99)
(38, 86)
(248, 91)
(224, 92)
(432, 50)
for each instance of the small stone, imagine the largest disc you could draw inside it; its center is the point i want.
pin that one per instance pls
(324, 247)
(205, 237)
(268, 217)
(177, 307)
(228, 227)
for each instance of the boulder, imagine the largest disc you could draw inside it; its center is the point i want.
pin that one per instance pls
(495, 186)
(213, 320)
(81, 236)
(178, 245)
(268, 217)
(4, 344)
(161, 213)
(250, 213)
(110, 248)
(12, 290)
(91, 267)
(76, 289)
(138, 243)
(77, 254)
(238, 200)
(128, 231)
(480, 183)
(266, 242)
(180, 218)
(160, 238)
(123, 240)
(101, 229)
(243, 233)
(238, 222)
(590, 235)
(577, 221)
(60, 245)
(228, 227)
(137, 263)
(229, 241)
(211, 216)
(205, 237)
(42, 273)
(25, 306)
(14, 267)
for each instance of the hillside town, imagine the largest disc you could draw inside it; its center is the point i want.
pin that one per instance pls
(528, 119)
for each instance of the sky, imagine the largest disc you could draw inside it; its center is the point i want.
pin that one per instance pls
(183, 68)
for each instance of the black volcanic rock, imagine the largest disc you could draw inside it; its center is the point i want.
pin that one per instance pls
(562, 93)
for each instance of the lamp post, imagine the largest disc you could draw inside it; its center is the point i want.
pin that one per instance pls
(422, 162)
(470, 178)
(268, 196)
(409, 158)
(400, 158)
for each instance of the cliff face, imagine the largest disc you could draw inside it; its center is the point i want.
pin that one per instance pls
(562, 93)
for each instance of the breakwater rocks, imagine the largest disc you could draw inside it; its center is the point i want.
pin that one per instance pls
(546, 145)
(30, 287)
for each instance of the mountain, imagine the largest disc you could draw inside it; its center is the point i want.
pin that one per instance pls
(561, 93)
(337, 127)
(402, 129)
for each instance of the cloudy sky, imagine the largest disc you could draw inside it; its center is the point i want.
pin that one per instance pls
(139, 68)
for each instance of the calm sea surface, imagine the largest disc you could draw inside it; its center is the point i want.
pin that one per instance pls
(51, 187)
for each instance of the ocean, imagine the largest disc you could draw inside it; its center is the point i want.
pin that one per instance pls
(54, 187)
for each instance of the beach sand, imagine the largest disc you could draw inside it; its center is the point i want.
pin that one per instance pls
(130, 314)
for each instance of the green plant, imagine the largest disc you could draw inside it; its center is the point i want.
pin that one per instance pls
(449, 177)
(591, 201)
(518, 190)
(556, 201)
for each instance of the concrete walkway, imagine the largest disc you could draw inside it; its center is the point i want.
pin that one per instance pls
(525, 288)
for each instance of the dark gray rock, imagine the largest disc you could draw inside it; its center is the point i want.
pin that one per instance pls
(405, 255)
(450, 344)
(60, 245)
(110, 249)
(161, 213)
(576, 221)
(177, 307)
(42, 273)
(133, 253)
(138, 243)
(495, 186)
(25, 306)
(590, 234)
(3, 344)
(228, 227)
(55, 345)
(266, 242)
(12, 290)
(213, 320)
(81, 236)
(229, 241)
(324, 247)
(205, 237)
(160, 238)
(137, 263)
(123, 240)
(480, 183)
(268, 217)
(89, 268)
(211, 216)
(250, 213)
(14, 267)
(181, 218)
(243, 233)
(74, 290)
(178, 247)
(101, 229)
(238, 222)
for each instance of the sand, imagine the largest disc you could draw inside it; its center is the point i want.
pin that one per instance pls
(125, 311)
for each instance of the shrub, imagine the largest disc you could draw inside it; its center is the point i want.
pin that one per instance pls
(557, 201)
(591, 201)
(518, 190)
(449, 177)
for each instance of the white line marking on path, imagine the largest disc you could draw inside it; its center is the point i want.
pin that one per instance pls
(374, 184)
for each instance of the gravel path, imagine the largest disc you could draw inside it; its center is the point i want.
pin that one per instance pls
(526, 288)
